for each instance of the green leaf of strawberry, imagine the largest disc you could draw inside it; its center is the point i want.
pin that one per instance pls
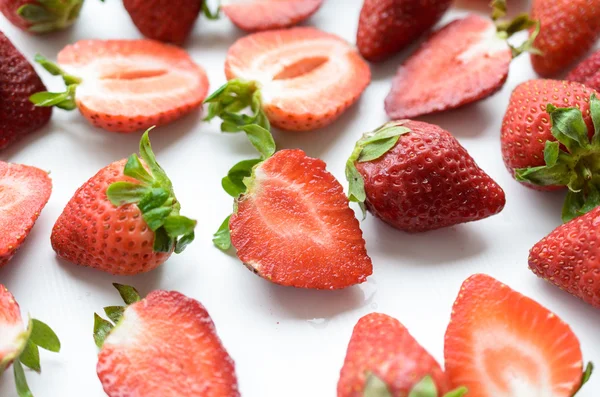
(30, 356)
(102, 328)
(21, 381)
(587, 374)
(43, 336)
(128, 294)
(114, 313)
(376, 387)
(222, 238)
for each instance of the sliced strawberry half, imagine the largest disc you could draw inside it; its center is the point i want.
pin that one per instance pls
(11, 328)
(254, 15)
(500, 343)
(307, 78)
(24, 191)
(126, 85)
(463, 62)
(164, 345)
(294, 226)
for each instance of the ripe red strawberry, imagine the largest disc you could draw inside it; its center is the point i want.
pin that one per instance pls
(24, 191)
(164, 20)
(292, 225)
(587, 72)
(386, 27)
(302, 78)
(382, 354)
(19, 345)
(126, 85)
(164, 345)
(569, 29)
(569, 257)
(255, 15)
(125, 220)
(41, 16)
(18, 80)
(500, 343)
(417, 177)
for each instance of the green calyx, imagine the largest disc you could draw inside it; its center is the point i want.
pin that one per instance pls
(376, 387)
(153, 194)
(50, 15)
(506, 29)
(64, 100)
(231, 103)
(370, 147)
(103, 327)
(587, 374)
(573, 160)
(37, 335)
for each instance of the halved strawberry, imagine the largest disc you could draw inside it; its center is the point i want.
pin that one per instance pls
(19, 345)
(302, 78)
(500, 343)
(24, 191)
(293, 225)
(164, 345)
(126, 85)
(254, 15)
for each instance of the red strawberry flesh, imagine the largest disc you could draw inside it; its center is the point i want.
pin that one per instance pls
(11, 327)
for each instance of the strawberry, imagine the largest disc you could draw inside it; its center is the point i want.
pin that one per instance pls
(472, 50)
(569, 257)
(18, 80)
(387, 27)
(569, 29)
(164, 345)
(124, 220)
(19, 345)
(417, 177)
(41, 16)
(301, 78)
(587, 72)
(565, 150)
(383, 359)
(24, 191)
(500, 343)
(127, 85)
(256, 15)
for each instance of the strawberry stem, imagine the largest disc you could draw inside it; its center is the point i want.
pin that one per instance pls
(506, 29)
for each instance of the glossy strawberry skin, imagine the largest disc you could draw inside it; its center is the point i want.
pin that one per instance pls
(569, 257)
(93, 232)
(569, 28)
(380, 344)
(18, 81)
(587, 72)
(526, 125)
(428, 181)
(386, 27)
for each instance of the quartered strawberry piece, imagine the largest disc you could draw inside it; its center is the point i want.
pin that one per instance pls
(126, 85)
(294, 227)
(500, 343)
(164, 345)
(254, 15)
(24, 191)
(463, 62)
(306, 78)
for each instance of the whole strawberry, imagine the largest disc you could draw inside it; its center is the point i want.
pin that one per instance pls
(18, 81)
(125, 220)
(417, 177)
(383, 359)
(569, 29)
(386, 27)
(569, 257)
(587, 72)
(41, 16)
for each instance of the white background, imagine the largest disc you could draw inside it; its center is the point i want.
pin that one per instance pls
(285, 342)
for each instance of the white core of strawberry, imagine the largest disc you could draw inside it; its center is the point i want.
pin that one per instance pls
(10, 337)
(489, 44)
(128, 331)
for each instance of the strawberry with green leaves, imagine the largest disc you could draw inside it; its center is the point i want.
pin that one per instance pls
(163, 345)
(384, 360)
(41, 16)
(19, 345)
(125, 220)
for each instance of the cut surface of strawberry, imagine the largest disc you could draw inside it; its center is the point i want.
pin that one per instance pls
(461, 63)
(165, 345)
(294, 226)
(11, 328)
(128, 85)
(255, 15)
(307, 78)
(24, 191)
(500, 343)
